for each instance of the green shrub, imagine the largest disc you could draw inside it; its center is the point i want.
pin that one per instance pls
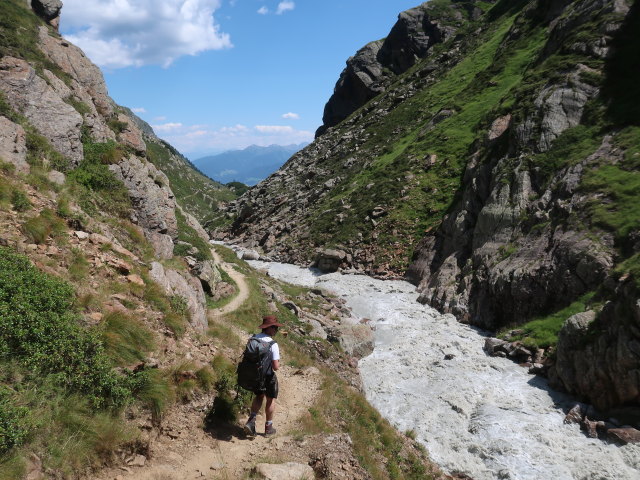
(39, 330)
(14, 422)
(39, 151)
(117, 126)
(103, 187)
(80, 107)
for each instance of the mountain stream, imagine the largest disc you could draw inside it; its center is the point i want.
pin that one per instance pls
(480, 415)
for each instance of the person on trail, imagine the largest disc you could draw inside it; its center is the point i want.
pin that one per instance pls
(269, 329)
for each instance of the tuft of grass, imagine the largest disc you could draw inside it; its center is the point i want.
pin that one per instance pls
(20, 201)
(126, 340)
(189, 235)
(78, 266)
(153, 294)
(39, 228)
(156, 393)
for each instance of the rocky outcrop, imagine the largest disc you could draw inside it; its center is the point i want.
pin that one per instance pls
(43, 106)
(598, 358)
(49, 10)
(13, 146)
(186, 286)
(372, 68)
(152, 199)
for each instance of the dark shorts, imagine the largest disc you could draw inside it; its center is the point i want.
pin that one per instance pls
(271, 387)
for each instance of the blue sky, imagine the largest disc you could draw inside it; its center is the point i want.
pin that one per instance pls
(215, 75)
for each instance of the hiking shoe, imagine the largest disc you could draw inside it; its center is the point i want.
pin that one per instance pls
(269, 430)
(250, 428)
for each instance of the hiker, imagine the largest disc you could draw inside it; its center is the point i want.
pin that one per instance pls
(269, 390)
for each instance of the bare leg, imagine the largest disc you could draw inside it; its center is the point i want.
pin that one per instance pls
(256, 405)
(270, 408)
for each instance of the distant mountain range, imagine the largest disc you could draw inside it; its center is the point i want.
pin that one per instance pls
(248, 166)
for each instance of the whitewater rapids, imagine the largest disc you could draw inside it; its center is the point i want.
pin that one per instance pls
(480, 415)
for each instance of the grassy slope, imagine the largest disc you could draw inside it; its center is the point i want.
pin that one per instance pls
(473, 89)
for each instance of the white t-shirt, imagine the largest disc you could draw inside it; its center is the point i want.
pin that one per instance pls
(275, 350)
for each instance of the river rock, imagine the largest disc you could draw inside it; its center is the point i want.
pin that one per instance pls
(356, 340)
(284, 471)
(13, 145)
(328, 260)
(624, 435)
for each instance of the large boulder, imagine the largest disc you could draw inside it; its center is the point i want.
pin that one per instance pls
(329, 260)
(602, 368)
(186, 286)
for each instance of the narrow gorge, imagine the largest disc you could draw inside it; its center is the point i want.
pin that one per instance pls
(455, 257)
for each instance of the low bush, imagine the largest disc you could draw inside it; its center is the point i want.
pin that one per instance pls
(39, 329)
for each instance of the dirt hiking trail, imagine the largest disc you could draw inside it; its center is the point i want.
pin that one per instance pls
(183, 450)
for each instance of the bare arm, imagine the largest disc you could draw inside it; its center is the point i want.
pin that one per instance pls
(275, 364)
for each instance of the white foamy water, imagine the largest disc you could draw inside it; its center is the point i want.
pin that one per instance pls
(476, 414)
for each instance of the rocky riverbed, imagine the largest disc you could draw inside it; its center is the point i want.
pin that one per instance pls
(480, 415)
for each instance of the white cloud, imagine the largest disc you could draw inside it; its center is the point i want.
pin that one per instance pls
(123, 33)
(285, 6)
(291, 115)
(263, 10)
(166, 127)
(138, 110)
(278, 129)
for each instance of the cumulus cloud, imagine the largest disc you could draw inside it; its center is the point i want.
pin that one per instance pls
(166, 127)
(123, 33)
(291, 116)
(138, 110)
(263, 10)
(200, 140)
(284, 7)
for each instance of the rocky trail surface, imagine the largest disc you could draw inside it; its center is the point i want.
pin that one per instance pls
(183, 449)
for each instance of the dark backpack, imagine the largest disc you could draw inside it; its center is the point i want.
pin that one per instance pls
(255, 364)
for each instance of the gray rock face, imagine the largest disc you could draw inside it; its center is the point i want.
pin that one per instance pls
(13, 146)
(367, 72)
(89, 78)
(150, 194)
(185, 286)
(30, 95)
